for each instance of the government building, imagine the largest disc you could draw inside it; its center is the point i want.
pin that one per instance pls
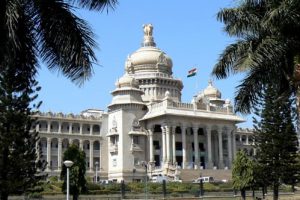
(147, 129)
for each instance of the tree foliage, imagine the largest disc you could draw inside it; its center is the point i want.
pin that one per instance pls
(242, 172)
(59, 38)
(32, 30)
(276, 140)
(267, 48)
(77, 171)
(19, 163)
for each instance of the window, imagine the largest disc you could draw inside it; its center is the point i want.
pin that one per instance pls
(201, 146)
(178, 130)
(200, 131)
(157, 129)
(178, 146)
(135, 139)
(156, 144)
(136, 161)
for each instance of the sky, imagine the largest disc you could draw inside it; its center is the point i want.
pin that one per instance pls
(187, 31)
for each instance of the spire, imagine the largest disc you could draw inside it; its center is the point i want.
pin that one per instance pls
(148, 38)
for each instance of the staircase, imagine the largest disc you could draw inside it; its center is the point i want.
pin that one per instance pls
(188, 175)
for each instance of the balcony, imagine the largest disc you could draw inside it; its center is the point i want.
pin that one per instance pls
(135, 147)
(113, 148)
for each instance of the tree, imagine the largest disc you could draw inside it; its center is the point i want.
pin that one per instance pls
(32, 30)
(242, 173)
(77, 171)
(267, 48)
(19, 163)
(276, 140)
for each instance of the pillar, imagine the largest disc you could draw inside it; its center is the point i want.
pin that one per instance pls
(233, 144)
(91, 155)
(70, 128)
(163, 149)
(48, 126)
(48, 153)
(229, 146)
(151, 156)
(174, 144)
(37, 127)
(59, 156)
(196, 148)
(80, 128)
(91, 129)
(168, 149)
(209, 149)
(183, 134)
(221, 160)
(81, 144)
(59, 127)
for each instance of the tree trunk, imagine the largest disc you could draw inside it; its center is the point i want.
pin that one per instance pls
(275, 191)
(75, 197)
(243, 194)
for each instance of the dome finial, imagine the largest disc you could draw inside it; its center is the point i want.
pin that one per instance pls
(210, 82)
(148, 38)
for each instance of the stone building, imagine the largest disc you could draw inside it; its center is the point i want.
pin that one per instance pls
(146, 127)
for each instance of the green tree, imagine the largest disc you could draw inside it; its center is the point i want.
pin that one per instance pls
(19, 163)
(267, 48)
(77, 171)
(32, 30)
(242, 173)
(276, 140)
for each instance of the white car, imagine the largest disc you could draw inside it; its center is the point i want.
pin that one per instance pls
(205, 179)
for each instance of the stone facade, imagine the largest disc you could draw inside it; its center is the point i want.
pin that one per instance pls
(147, 128)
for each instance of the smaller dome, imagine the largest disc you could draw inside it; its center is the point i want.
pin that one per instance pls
(211, 91)
(227, 101)
(127, 81)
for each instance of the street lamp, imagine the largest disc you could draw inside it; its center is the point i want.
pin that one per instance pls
(145, 164)
(68, 164)
(96, 163)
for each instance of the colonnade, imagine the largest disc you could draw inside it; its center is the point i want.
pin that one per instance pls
(50, 126)
(168, 149)
(89, 151)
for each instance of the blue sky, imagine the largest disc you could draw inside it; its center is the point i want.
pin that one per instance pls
(186, 30)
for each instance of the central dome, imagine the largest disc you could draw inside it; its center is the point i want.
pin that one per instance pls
(148, 58)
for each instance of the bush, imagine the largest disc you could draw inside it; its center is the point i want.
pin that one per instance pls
(53, 179)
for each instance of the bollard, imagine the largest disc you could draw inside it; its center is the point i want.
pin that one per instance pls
(122, 189)
(201, 188)
(164, 189)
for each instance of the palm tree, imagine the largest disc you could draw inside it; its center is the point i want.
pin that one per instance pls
(50, 31)
(267, 48)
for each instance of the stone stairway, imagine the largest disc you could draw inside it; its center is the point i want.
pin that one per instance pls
(188, 175)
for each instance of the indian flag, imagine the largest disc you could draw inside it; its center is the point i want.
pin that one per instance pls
(192, 72)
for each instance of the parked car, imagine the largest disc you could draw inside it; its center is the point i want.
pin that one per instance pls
(105, 182)
(158, 179)
(205, 179)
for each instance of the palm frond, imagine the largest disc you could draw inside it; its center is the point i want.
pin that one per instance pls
(243, 20)
(96, 4)
(230, 61)
(287, 13)
(66, 42)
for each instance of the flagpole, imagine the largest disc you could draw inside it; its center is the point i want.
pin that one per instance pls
(196, 79)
